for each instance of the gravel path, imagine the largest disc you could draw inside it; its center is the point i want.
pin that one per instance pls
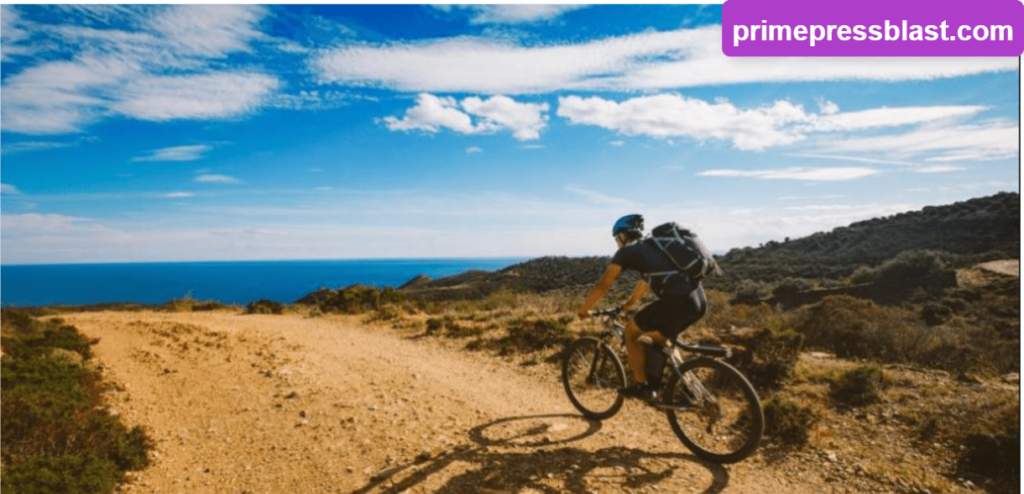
(266, 404)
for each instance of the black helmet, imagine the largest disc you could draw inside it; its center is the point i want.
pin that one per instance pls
(629, 223)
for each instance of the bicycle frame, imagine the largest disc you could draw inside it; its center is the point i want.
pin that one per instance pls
(610, 318)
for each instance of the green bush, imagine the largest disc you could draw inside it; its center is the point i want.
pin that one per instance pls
(858, 387)
(789, 423)
(751, 292)
(56, 435)
(528, 335)
(36, 340)
(354, 299)
(264, 306)
(792, 285)
(82, 473)
(768, 356)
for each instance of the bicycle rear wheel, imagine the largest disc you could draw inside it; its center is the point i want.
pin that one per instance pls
(592, 375)
(714, 410)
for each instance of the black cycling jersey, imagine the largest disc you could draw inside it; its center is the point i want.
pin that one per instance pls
(647, 259)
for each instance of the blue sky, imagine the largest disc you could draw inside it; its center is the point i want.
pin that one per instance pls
(166, 133)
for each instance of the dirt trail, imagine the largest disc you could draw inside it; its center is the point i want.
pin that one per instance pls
(266, 404)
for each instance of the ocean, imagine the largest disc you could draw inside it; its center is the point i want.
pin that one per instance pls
(235, 282)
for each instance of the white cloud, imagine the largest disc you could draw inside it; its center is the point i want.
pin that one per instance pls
(432, 113)
(751, 227)
(827, 107)
(600, 198)
(983, 141)
(178, 195)
(617, 144)
(511, 12)
(161, 70)
(44, 223)
(210, 31)
(312, 100)
(805, 174)
(939, 169)
(11, 34)
(647, 61)
(780, 123)
(176, 153)
(27, 146)
(9, 189)
(526, 120)
(200, 97)
(859, 159)
(474, 150)
(891, 117)
(669, 115)
(211, 178)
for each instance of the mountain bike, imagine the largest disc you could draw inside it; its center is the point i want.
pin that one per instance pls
(710, 405)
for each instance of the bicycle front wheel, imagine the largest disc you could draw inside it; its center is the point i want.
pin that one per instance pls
(714, 410)
(592, 375)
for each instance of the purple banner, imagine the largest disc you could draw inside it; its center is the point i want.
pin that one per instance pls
(872, 28)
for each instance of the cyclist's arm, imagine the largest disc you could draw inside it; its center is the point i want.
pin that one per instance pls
(600, 288)
(638, 293)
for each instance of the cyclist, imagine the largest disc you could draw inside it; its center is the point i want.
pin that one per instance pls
(681, 301)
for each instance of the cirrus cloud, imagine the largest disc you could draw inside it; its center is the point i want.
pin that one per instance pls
(158, 65)
(176, 153)
(647, 61)
(805, 174)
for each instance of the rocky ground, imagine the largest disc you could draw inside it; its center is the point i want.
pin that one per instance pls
(291, 403)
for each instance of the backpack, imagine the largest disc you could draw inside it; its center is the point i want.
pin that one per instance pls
(685, 250)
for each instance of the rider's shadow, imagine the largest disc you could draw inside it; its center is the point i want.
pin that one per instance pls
(531, 452)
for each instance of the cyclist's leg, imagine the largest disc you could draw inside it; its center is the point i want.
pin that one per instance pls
(650, 322)
(635, 352)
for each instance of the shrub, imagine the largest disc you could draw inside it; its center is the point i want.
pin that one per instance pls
(751, 292)
(792, 285)
(44, 340)
(526, 335)
(858, 387)
(768, 357)
(82, 473)
(911, 274)
(788, 422)
(434, 324)
(354, 299)
(56, 436)
(855, 328)
(264, 306)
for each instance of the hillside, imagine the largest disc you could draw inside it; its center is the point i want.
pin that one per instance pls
(973, 231)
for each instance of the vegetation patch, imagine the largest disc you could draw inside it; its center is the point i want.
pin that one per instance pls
(534, 334)
(264, 306)
(789, 423)
(858, 387)
(354, 299)
(57, 436)
(768, 356)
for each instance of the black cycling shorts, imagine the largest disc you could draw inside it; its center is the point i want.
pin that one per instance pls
(672, 315)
